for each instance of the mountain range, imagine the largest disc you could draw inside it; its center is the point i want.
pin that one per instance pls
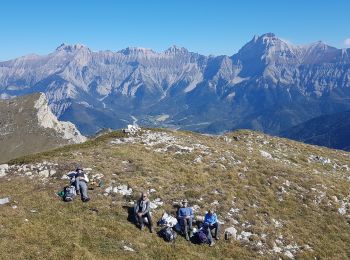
(269, 85)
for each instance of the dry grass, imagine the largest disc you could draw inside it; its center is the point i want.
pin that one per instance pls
(75, 230)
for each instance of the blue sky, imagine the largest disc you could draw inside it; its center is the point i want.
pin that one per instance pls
(208, 27)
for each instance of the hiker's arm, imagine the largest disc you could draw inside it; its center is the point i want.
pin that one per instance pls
(206, 219)
(147, 207)
(215, 219)
(191, 213)
(136, 207)
(179, 214)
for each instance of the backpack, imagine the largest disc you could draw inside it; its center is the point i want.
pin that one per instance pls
(167, 220)
(201, 237)
(69, 193)
(168, 234)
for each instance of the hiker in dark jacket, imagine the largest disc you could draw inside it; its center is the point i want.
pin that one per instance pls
(185, 217)
(211, 222)
(141, 210)
(81, 181)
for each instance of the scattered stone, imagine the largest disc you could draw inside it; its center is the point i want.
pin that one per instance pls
(277, 249)
(244, 235)
(44, 173)
(343, 209)
(2, 173)
(265, 154)
(4, 201)
(4, 167)
(109, 190)
(198, 159)
(289, 254)
(123, 190)
(156, 203)
(231, 231)
(127, 248)
(276, 223)
(233, 210)
(287, 183)
(319, 159)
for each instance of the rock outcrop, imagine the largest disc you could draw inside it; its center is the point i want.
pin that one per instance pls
(27, 126)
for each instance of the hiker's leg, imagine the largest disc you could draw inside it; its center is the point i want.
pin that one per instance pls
(140, 219)
(217, 229)
(190, 224)
(209, 236)
(149, 218)
(76, 184)
(183, 223)
(83, 189)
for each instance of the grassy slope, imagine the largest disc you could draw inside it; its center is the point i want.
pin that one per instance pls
(75, 230)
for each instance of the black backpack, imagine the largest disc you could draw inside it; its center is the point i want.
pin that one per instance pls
(69, 193)
(168, 234)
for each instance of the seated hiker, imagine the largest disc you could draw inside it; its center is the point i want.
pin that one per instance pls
(207, 231)
(211, 221)
(141, 210)
(81, 187)
(185, 217)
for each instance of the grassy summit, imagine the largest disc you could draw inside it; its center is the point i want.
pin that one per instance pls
(286, 199)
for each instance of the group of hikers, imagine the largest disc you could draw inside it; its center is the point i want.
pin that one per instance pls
(185, 217)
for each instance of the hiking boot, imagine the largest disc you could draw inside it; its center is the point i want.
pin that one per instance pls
(142, 227)
(86, 199)
(217, 237)
(212, 243)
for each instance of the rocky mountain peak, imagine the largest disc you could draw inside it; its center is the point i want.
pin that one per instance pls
(265, 43)
(176, 50)
(136, 51)
(70, 48)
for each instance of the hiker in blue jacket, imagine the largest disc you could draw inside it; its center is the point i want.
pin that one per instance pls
(211, 222)
(185, 217)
